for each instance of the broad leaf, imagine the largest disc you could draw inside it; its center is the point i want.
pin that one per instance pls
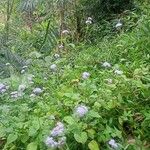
(11, 138)
(93, 145)
(81, 138)
(32, 146)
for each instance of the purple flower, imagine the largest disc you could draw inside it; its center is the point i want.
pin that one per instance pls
(3, 88)
(50, 142)
(113, 143)
(58, 130)
(85, 75)
(81, 111)
(61, 141)
(37, 91)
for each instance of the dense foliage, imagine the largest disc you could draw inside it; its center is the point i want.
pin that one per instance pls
(74, 75)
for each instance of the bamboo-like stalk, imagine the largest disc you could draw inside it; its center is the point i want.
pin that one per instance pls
(7, 25)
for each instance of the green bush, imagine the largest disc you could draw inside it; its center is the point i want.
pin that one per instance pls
(105, 8)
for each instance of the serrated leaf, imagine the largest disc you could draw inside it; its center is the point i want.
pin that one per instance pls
(32, 146)
(11, 138)
(93, 145)
(81, 138)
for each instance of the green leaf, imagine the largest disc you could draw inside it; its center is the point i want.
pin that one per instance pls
(81, 138)
(11, 138)
(69, 119)
(32, 146)
(94, 114)
(93, 145)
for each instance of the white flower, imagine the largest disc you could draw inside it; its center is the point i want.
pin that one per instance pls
(53, 67)
(58, 130)
(37, 91)
(56, 56)
(118, 25)
(89, 20)
(109, 81)
(24, 67)
(50, 142)
(21, 87)
(14, 94)
(45, 78)
(22, 71)
(113, 143)
(81, 111)
(118, 72)
(30, 78)
(61, 46)
(7, 64)
(52, 117)
(85, 75)
(32, 95)
(65, 32)
(106, 65)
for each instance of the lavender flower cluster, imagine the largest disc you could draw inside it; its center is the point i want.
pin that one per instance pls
(56, 138)
(3, 88)
(81, 111)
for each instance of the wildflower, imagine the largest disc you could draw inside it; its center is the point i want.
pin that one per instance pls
(21, 87)
(89, 21)
(52, 117)
(85, 75)
(30, 78)
(3, 88)
(32, 95)
(57, 56)
(22, 71)
(50, 142)
(81, 111)
(45, 78)
(61, 46)
(118, 25)
(7, 64)
(58, 130)
(14, 94)
(113, 143)
(24, 67)
(62, 141)
(65, 32)
(118, 72)
(109, 81)
(106, 65)
(53, 67)
(3, 91)
(37, 91)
